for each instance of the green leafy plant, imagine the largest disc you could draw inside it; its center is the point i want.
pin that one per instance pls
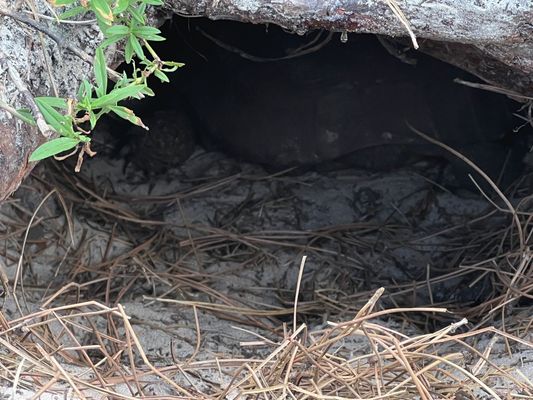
(120, 21)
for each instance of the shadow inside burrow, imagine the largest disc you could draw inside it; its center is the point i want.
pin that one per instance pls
(282, 100)
(364, 189)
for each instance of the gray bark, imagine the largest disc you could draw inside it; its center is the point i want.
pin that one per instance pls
(465, 21)
(33, 64)
(493, 39)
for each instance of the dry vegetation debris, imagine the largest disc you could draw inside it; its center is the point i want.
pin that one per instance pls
(73, 336)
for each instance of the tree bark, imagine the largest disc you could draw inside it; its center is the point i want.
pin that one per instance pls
(489, 38)
(34, 63)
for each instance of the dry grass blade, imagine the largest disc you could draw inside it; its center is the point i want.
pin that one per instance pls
(395, 8)
(312, 373)
(319, 365)
(78, 338)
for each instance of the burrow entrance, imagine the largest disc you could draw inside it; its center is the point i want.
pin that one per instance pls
(317, 138)
(281, 167)
(322, 100)
(322, 136)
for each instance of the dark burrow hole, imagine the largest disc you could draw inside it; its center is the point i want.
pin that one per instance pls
(282, 100)
(273, 99)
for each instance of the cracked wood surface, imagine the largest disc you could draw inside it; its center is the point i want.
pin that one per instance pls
(490, 38)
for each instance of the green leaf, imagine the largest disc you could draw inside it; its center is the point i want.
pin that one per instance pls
(128, 52)
(60, 123)
(87, 88)
(84, 94)
(100, 72)
(56, 102)
(72, 12)
(59, 3)
(154, 2)
(116, 95)
(120, 6)
(171, 66)
(92, 119)
(112, 39)
(102, 23)
(162, 76)
(124, 80)
(136, 46)
(142, 31)
(84, 139)
(102, 10)
(138, 15)
(25, 115)
(128, 115)
(154, 38)
(53, 147)
(122, 30)
(148, 92)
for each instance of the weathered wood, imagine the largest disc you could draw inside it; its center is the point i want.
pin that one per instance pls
(34, 64)
(499, 34)
(465, 21)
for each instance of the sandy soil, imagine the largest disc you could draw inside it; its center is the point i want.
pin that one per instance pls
(245, 232)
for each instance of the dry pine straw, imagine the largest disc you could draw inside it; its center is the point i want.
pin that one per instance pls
(40, 349)
(37, 348)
